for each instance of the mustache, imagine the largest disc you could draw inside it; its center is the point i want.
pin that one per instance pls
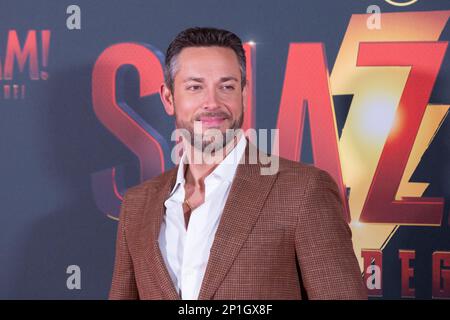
(219, 114)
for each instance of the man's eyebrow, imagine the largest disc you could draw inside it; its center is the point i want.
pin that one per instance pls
(201, 80)
(225, 79)
(194, 79)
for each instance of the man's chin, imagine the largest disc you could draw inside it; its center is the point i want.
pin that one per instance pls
(209, 145)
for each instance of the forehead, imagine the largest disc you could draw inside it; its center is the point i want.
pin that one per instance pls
(196, 61)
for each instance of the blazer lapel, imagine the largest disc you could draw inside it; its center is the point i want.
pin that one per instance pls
(151, 225)
(245, 201)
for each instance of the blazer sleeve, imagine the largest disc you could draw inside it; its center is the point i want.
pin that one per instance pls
(328, 265)
(123, 282)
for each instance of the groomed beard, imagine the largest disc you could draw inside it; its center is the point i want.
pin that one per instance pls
(201, 141)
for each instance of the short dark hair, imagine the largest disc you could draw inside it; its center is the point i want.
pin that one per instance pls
(203, 37)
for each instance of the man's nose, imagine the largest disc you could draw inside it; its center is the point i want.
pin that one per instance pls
(211, 100)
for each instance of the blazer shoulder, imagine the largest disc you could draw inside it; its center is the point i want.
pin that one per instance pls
(301, 178)
(136, 197)
(141, 189)
(298, 170)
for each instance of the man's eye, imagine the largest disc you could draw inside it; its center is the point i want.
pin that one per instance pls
(194, 88)
(228, 87)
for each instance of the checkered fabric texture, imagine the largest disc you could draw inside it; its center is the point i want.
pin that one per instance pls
(281, 236)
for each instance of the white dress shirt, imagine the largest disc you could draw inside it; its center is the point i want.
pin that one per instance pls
(186, 252)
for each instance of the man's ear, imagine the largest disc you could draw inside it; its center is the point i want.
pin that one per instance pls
(244, 97)
(167, 99)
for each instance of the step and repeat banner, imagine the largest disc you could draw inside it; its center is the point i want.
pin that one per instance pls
(360, 88)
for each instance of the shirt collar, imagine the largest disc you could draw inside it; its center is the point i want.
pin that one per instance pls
(226, 169)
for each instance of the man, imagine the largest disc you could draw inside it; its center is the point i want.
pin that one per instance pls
(222, 229)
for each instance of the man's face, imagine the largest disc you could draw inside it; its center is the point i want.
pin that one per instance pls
(207, 93)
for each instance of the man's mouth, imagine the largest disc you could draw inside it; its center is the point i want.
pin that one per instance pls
(212, 121)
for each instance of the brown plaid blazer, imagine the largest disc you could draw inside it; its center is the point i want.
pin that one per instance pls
(280, 236)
